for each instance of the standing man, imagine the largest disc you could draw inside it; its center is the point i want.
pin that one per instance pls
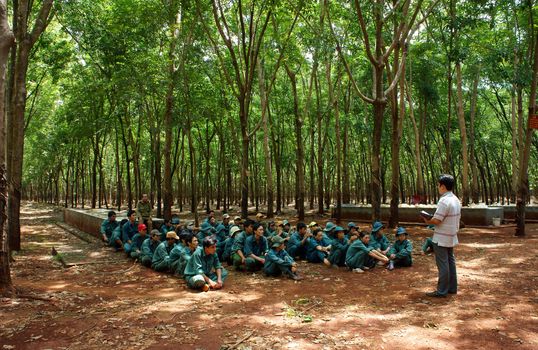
(143, 211)
(445, 237)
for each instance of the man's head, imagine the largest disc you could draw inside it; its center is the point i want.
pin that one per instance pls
(171, 238)
(225, 219)
(131, 215)
(111, 216)
(277, 243)
(155, 235)
(318, 235)
(364, 237)
(446, 183)
(142, 229)
(301, 228)
(258, 230)
(249, 226)
(376, 228)
(339, 232)
(145, 198)
(210, 245)
(401, 234)
(191, 241)
(211, 213)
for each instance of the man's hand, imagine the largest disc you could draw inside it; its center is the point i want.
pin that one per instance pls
(262, 260)
(243, 260)
(392, 256)
(217, 285)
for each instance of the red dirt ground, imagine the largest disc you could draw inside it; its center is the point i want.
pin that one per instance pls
(115, 304)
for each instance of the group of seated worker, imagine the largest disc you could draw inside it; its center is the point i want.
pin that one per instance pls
(196, 253)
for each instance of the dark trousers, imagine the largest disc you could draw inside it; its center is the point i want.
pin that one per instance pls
(446, 265)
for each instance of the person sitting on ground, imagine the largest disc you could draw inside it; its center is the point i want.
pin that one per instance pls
(360, 256)
(175, 253)
(210, 215)
(378, 240)
(353, 231)
(148, 248)
(400, 252)
(191, 243)
(204, 270)
(328, 233)
(221, 235)
(138, 239)
(339, 247)
(227, 253)
(298, 243)
(115, 240)
(167, 226)
(279, 262)
(129, 229)
(108, 226)
(161, 256)
(238, 249)
(270, 230)
(226, 223)
(351, 226)
(143, 209)
(206, 230)
(286, 229)
(316, 251)
(255, 249)
(427, 247)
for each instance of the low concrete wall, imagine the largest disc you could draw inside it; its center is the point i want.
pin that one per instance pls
(480, 216)
(531, 212)
(89, 220)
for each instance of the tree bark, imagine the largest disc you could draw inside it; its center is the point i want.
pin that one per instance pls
(463, 133)
(7, 40)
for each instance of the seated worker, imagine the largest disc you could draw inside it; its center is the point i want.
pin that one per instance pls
(279, 262)
(271, 229)
(210, 217)
(400, 252)
(339, 246)
(175, 253)
(378, 240)
(286, 229)
(148, 248)
(360, 256)
(255, 249)
(143, 210)
(167, 226)
(221, 234)
(298, 243)
(206, 230)
(191, 243)
(351, 226)
(316, 251)
(108, 226)
(238, 256)
(161, 256)
(203, 270)
(328, 233)
(129, 229)
(138, 239)
(226, 223)
(115, 239)
(427, 247)
(229, 242)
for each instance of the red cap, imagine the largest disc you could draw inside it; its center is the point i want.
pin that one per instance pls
(141, 227)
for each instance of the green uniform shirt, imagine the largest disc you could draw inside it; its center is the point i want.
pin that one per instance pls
(402, 250)
(201, 263)
(148, 247)
(356, 254)
(378, 243)
(239, 242)
(107, 227)
(161, 253)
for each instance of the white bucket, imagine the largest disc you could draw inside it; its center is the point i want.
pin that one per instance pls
(496, 221)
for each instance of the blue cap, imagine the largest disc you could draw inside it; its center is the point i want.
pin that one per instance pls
(377, 226)
(338, 229)
(220, 227)
(175, 220)
(351, 224)
(206, 227)
(329, 226)
(401, 231)
(285, 222)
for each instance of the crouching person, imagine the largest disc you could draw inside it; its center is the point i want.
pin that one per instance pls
(400, 252)
(137, 241)
(360, 256)
(203, 270)
(148, 248)
(279, 262)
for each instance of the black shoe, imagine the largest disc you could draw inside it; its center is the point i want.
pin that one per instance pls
(435, 295)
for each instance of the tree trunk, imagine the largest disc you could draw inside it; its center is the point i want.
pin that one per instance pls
(472, 151)
(463, 133)
(7, 40)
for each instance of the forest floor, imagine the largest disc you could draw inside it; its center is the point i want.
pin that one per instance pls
(106, 301)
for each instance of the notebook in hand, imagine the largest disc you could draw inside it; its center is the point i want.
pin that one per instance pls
(426, 215)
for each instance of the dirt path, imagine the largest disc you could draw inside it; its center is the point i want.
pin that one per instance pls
(115, 304)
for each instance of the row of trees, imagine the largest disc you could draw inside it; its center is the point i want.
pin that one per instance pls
(269, 103)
